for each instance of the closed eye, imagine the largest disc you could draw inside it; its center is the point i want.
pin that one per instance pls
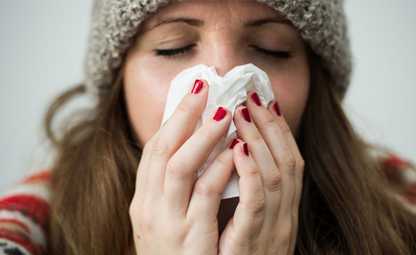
(277, 54)
(173, 52)
(170, 53)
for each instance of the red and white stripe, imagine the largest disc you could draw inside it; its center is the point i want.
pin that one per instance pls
(21, 241)
(27, 207)
(10, 245)
(37, 189)
(34, 230)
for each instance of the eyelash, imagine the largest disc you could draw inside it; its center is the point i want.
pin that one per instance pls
(172, 53)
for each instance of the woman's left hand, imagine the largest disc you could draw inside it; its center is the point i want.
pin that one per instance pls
(266, 219)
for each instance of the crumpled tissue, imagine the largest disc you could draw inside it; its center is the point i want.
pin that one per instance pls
(229, 92)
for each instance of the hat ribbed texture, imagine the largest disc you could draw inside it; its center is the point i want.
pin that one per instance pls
(114, 24)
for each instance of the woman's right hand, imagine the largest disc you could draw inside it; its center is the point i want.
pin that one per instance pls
(173, 211)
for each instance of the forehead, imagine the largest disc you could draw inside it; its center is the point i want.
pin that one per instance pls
(214, 11)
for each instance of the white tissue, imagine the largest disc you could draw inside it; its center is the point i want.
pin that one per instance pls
(228, 91)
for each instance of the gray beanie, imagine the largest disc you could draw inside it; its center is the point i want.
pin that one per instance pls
(114, 24)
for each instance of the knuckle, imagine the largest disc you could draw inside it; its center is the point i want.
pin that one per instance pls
(140, 218)
(185, 107)
(274, 182)
(257, 140)
(290, 164)
(270, 122)
(210, 131)
(257, 206)
(159, 148)
(145, 222)
(133, 210)
(175, 233)
(178, 169)
(284, 128)
(205, 189)
(222, 162)
(253, 172)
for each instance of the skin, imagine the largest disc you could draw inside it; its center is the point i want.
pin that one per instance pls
(270, 176)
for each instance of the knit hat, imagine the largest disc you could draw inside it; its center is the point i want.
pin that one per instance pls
(114, 25)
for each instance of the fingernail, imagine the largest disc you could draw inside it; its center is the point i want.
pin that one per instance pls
(233, 143)
(245, 147)
(220, 114)
(277, 108)
(246, 114)
(256, 98)
(198, 85)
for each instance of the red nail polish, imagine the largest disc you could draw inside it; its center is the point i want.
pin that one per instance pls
(220, 114)
(233, 143)
(245, 147)
(246, 114)
(277, 108)
(198, 85)
(256, 98)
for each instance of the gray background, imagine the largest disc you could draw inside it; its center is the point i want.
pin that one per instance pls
(42, 48)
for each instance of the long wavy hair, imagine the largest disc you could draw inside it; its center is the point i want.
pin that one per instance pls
(347, 206)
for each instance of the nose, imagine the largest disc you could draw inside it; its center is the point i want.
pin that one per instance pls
(224, 55)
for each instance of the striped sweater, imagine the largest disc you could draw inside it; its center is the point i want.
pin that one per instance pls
(24, 210)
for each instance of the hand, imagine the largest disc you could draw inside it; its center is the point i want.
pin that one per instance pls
(266, 218)
(172, 212)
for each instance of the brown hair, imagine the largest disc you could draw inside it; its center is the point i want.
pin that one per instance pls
(346, 207)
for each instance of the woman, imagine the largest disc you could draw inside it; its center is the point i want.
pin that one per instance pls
(124, 185)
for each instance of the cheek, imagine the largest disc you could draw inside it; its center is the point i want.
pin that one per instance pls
(291, 90)
(146, 88)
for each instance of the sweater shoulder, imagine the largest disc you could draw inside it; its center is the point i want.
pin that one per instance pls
(24, 215)
(400, 173)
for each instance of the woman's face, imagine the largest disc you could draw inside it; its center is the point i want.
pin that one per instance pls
(224, 34)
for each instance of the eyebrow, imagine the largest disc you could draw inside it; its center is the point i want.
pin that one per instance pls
(199, 23)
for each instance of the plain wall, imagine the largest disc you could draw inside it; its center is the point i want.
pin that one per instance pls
(43, 43)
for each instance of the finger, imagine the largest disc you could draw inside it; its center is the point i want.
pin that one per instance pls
(141, 175)
(141, 199)
(249, 215)
(300, 164)
(250, 134)
(207, 191)
(172, 135)
(182, 168)
(275, 135)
